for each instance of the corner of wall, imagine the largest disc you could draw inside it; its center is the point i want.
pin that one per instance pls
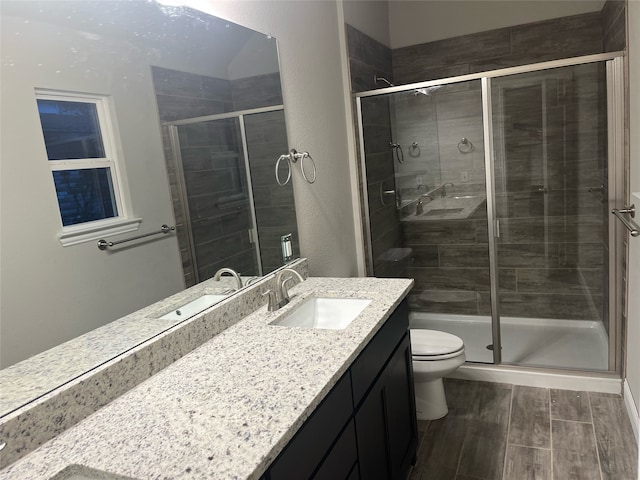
(351, 141)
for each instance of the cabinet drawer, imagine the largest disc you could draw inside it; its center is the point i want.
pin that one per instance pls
(369, 363)
(307, 448)
(342, 458)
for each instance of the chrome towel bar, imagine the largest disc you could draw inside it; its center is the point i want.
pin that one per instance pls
(103, 244)
(632, 226)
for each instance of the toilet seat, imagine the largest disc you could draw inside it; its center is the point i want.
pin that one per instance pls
(433, 345)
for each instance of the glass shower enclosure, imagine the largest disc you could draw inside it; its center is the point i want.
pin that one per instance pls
(230, 212)
(493, 191)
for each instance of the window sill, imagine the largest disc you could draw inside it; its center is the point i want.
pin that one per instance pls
(96, 232)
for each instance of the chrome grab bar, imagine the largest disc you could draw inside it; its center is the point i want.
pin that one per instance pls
(632, 226)
(103, 244)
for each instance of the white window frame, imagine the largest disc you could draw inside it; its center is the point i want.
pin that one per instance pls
(124, 221)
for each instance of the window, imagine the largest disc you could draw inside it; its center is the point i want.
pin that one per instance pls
(82, 156)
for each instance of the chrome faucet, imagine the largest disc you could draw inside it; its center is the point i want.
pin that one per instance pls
(443, 189)
(231, 272)
(280, 297)
(419, 207)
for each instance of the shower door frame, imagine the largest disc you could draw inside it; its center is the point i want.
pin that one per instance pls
(614, 62)
(174, 140)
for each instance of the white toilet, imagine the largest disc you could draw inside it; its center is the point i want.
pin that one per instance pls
(435, 355)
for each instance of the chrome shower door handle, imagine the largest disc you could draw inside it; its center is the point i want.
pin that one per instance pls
(633, 227)
(384, 193)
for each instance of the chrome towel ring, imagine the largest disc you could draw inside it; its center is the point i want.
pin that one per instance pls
(293, 157)
(465, 145)
(414, 150)
(397, 152)
(313, 165)
(283, 157)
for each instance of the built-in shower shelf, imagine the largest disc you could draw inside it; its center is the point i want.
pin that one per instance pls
(410, 174)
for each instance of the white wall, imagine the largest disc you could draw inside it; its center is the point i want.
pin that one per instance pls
(414, 22)
(371, 17)
(50, 293)
(633, 331)
(257, 57)
(312, 76)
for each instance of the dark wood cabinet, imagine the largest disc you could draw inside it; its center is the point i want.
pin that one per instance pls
(402, 428)
(366, 427)
(386, 424)
(306, 451)
(371, 428)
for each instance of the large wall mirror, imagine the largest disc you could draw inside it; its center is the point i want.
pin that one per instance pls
(196, 117)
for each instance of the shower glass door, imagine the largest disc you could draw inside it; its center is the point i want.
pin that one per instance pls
(550, 168)
(423, 160)
(212, 172)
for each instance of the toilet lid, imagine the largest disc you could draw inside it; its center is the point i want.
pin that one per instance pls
(433, 343)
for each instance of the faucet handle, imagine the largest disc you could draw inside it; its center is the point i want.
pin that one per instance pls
(272, 300)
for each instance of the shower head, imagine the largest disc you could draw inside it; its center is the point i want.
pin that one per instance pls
(377, 79)
(426, 90)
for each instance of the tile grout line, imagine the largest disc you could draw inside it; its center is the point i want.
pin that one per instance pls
(595, 439)
(572, 421)
(506, 443)
(464, 438)
(527, 446)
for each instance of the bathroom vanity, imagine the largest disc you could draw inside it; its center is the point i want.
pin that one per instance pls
(262, 401)
(366, 426)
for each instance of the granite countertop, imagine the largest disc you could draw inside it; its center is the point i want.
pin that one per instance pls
(227, 409)
(45, 371)
(448, 208)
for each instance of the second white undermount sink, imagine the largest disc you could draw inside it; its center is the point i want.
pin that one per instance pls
(324, 313)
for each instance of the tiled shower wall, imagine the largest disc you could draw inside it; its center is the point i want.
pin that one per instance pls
(274, 205)
(505, 47)
(182, 95)
(367, 59)
(214, 169)
(450, 259)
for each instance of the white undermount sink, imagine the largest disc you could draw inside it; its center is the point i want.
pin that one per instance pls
(324, 313)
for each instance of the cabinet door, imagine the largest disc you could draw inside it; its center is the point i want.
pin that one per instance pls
(340, 462)
(371, 431)
(386, 423)
(401, 410)
(305, 451)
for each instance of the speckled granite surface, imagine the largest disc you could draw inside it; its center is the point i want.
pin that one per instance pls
(43, 372)
(225, 410)
(55, 410)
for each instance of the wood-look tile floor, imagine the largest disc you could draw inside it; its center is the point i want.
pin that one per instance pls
(497, 431)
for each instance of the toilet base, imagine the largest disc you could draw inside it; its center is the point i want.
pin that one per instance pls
(431, 402)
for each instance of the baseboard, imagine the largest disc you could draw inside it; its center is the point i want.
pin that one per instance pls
(632, 411)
